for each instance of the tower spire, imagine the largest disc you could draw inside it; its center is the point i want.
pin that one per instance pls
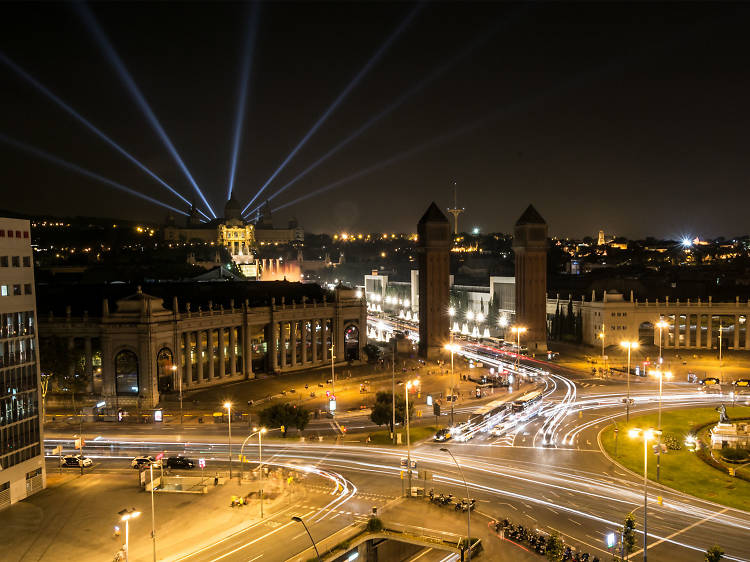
(455, 210)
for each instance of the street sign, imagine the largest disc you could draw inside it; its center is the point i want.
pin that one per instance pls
(159, 456)
(332, 405)
(202, 463)
(611, 540)
(436, 409)
(429, 399)
(413, 465)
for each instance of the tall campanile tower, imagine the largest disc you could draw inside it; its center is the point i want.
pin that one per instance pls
(530, 247)
(434, 282)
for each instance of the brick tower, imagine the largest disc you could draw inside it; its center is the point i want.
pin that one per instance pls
(434, 282)
(530, 247)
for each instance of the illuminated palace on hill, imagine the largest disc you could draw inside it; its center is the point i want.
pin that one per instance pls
(241, 238)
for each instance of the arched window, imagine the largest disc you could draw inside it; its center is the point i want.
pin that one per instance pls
(164, 364)
(351, 343)
(126, 373)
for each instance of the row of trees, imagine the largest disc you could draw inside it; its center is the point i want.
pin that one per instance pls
(566, 325)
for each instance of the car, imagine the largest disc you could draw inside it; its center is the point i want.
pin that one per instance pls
(145, 461)
(180, 462)
(75, 461)
(709, 381)
(742, 383)
(443, 434)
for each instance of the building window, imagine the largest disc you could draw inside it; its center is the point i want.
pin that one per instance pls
(2, 234)
(3, 260)
(25, 233)
(10, 234)
(18, 233)
(15, 261)
(27, 261)
(3, 290)
(27, 288)
(16, 290)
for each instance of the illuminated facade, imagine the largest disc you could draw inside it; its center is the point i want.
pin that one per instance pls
(22, 471)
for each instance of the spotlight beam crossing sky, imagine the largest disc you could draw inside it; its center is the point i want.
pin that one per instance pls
(340, 98)
(39, 153)
(242, 94)
(114, 59)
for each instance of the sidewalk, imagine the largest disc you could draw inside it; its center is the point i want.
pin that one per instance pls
(74, 518)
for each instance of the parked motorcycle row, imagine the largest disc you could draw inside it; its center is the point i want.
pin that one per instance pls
(447, 499)
(538, 541)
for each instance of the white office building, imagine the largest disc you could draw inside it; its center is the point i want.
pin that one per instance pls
(22, 470)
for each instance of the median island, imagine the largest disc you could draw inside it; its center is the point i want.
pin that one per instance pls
(689, 464)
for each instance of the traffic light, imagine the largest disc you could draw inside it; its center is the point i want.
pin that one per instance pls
(283, 429)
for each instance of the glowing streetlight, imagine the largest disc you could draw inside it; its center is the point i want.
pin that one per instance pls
(647, 436)
(661, 324)
(179, 378)
(668, 375)
(602, 336)
(126, 515)
(259, 432)
(470, 315)
(228, 406)
(629, 345)
(518, 330)
(480, 317)
(407, 386)
(503, 322)
(452, 348)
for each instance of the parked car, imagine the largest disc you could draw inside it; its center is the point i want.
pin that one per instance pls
(75, 461)
(145, 461)
(180, 462)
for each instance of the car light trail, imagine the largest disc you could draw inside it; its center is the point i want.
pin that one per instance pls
(84, 172)
(81, 119)
(111, 55)
(247, 63)
(340, 98)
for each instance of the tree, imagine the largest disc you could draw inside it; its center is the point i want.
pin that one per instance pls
(714, 554)
(285, 415)
(555, 548)
(382, 410)
(57, 361)
(372, 351)
(628, 535)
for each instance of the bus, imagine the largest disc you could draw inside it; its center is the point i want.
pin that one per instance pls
(483, 418)
(528, 402)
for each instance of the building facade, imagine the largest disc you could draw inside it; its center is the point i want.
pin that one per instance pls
(691, 324)
(22, 470)
(530, 247)
(146, 349)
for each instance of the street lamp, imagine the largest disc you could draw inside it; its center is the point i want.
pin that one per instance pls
(602, 337)
(179, 378)
(629, 345)
(453, 348)
(299, 520)
(661, 376)
(647, 435)
(407, 386)
(661, 324)
(126, 515)
(468, 511)
(518, 330)
(228, 406)
(259, 433)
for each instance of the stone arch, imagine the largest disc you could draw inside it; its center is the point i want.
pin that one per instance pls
(127, 379)
(164, 372)
(351, 342)
(646, 333)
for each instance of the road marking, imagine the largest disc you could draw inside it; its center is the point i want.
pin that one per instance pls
(420, 555)
(259, 556)
(268, 534)
(716, 514)
(574, 521)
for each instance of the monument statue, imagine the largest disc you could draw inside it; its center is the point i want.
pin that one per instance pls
(723, 417)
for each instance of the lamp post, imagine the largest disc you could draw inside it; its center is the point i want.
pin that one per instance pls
(126, 515)
(333, 375)
(468, 511)
(299, 520)
(407, 386)
(647, 435)
(518, 330)
(453, 348)
(661, 376)
(661, 324)
(393, 391)
(228, 406)
(179, 378)
(153, 516)
(602, 336)
(629, 345)
(259, 432)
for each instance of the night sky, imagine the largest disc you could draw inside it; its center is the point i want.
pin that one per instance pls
(631, 118)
